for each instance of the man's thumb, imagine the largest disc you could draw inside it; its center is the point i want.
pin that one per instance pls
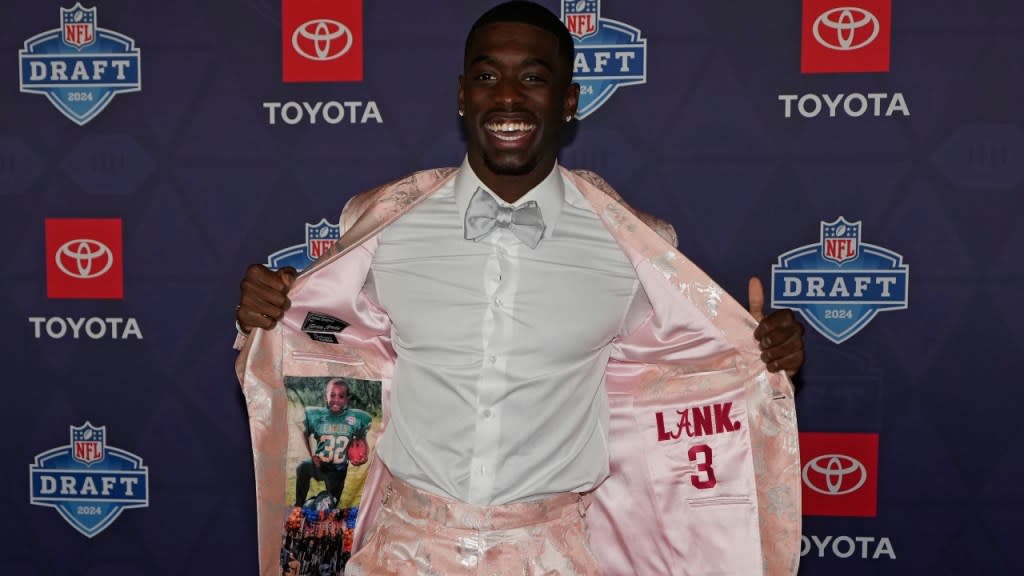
(288, 275)
(755, 297)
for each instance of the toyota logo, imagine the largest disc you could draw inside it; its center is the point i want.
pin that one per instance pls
(84, 259)
(834, 474)
(324, 40)
(843, 25)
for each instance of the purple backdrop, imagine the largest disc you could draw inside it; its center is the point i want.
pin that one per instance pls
(727, 139)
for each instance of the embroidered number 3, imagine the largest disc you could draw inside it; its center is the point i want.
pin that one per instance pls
(702, 467)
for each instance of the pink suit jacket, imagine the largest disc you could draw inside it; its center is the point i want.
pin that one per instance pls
(705, 472)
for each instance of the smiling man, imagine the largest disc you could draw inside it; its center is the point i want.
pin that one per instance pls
(515, 94)
(543, 347)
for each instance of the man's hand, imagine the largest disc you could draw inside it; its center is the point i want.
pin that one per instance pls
(781, 337)
(264, 297)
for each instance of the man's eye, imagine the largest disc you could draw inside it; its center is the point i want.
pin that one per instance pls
(534, 78)
(484, 76)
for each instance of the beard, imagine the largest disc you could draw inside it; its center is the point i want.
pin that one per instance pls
(511, 165)
(509, 168)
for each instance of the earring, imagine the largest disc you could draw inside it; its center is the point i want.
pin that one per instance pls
(568, 118)
(461, 112)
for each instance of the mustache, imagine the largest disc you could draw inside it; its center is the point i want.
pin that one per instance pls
(509, 113)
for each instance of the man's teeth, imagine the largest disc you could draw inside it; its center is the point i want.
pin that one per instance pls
(510, 127)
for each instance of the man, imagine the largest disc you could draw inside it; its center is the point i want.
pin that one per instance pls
(524, 317)
(333, 429)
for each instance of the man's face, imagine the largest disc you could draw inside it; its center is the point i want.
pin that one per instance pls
(516, 93)
(336, 396)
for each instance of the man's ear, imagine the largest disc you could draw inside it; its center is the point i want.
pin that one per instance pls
(572, 100)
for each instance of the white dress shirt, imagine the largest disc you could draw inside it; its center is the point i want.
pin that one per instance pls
(498, 390)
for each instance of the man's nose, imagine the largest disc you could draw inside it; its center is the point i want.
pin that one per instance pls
(508, 91)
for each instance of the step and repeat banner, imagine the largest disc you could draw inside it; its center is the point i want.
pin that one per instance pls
(864, 158)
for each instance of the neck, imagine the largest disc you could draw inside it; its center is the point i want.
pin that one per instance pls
(511, 187)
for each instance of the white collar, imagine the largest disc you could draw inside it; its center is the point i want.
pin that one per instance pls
(548, 194)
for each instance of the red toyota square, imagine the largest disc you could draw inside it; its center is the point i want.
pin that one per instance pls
(845, 36)
(840, 474)
(322, 40)
(84, 258)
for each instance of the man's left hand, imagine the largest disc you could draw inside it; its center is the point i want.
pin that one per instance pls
(779, 334)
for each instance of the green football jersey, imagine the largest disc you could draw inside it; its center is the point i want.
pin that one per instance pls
(333, 432)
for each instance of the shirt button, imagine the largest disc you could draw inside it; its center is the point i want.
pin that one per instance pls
(498, 301)
(487, 413)
(492, 359)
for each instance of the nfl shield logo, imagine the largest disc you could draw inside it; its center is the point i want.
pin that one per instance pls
(840, 240)
(580, 17)
(320, 237)
(87, 443)
(78, 26)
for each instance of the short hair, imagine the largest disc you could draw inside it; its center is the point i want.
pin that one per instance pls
(336, 382)
(523, 12)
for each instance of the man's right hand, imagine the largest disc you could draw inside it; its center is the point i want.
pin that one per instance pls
(264, 297)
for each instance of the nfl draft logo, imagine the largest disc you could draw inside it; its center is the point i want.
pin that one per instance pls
(319, 238)
(89, 482)
(79, 67)
(609, 54)
(840, 284)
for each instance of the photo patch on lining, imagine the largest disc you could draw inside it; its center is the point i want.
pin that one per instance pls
(333, 428)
